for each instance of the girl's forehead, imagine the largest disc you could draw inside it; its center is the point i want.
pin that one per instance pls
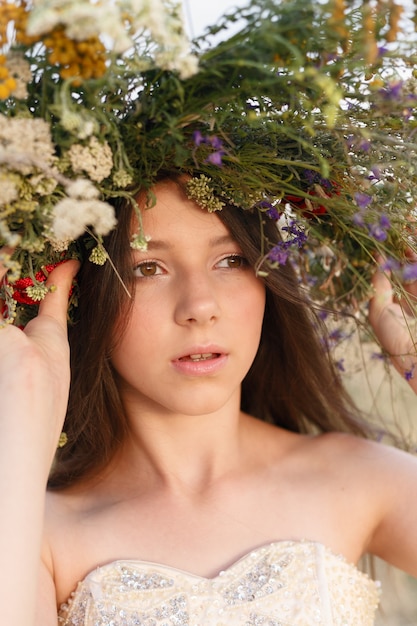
(173, 213)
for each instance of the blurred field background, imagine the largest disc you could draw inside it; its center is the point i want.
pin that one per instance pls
(378, 389)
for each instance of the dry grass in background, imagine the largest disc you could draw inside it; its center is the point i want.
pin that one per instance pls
(380, 391)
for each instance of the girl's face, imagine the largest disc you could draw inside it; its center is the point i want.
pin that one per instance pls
(196, 320)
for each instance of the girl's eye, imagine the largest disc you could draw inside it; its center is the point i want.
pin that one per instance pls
(233, 261)
(148, 268)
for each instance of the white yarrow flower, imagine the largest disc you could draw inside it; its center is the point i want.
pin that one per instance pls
(83, 189)
(71, 217)
(96, 159)
(9, 191)
(83, 19)
(29, 137)
(42, 19)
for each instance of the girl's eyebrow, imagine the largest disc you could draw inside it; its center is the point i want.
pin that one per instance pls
(160, 244)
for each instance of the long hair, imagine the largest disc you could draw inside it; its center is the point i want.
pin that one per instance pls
(292, 382)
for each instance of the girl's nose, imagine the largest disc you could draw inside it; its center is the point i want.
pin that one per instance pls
(197, 300)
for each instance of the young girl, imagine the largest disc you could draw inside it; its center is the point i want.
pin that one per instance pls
(209, 477)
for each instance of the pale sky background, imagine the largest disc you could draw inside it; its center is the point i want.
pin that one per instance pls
(201, 13)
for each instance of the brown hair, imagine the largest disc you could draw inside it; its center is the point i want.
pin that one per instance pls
(292, 382)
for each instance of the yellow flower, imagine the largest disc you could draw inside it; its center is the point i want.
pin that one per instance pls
(200, 190)
(77, 59)
(7, 82)
(37, 292)
(98, 255)
(63, 438)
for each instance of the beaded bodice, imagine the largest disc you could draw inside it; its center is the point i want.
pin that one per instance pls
(285, 583)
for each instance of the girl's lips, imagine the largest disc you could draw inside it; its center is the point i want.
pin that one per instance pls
(200, 363)
(200, 356)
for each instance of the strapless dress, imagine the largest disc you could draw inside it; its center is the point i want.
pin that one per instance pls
(286, 583)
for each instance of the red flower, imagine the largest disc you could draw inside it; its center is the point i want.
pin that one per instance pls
(323, 189)
(20, 294)
(307, 208)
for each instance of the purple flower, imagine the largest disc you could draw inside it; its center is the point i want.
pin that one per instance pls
(375, 173)
(377, 232)
(271, 210)
(278, 254)
(364, 145)
(273, 213)
(362, 199)
(358, 219)
(409, 374)
(215, 158)
(340, 365)
(336, 335)
(313, 177)
(392, 91)
(384, 221)
(390, 265)
(410, 272)
(215, 142)
(298, 235)
(281, 251)
(198, 138)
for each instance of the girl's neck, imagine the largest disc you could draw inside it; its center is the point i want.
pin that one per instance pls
(184, 452)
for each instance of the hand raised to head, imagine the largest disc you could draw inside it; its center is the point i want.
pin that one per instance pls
(34, 363)
(395, 325)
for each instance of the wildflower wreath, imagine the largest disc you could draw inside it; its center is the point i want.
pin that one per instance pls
(307, 113)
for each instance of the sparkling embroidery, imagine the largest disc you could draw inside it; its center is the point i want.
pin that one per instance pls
(257, 582)
(171, 613)
(283, 584)
(260, 620)
(132, 579)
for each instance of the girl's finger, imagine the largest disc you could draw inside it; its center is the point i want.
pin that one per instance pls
(382, 284)
(55, 304)
(383, 294)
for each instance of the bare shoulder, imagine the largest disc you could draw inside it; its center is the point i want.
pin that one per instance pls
(67, 507)
(64, 554)
(60, 505)
(360, 457)
(66, 513)
(358, 450)
(363, 458)
(380, 472)
(60, 514)
(386, 480)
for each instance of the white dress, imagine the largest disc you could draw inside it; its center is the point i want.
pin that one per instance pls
(287, 583)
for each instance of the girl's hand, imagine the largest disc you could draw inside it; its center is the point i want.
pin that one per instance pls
(34, 365)
(395, 325)
(34, 384)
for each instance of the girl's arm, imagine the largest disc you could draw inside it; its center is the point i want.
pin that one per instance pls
(396, 326)
(34, 384)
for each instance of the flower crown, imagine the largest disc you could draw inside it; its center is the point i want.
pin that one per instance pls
(307, 113)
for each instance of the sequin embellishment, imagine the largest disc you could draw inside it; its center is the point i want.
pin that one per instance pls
(283, 584)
